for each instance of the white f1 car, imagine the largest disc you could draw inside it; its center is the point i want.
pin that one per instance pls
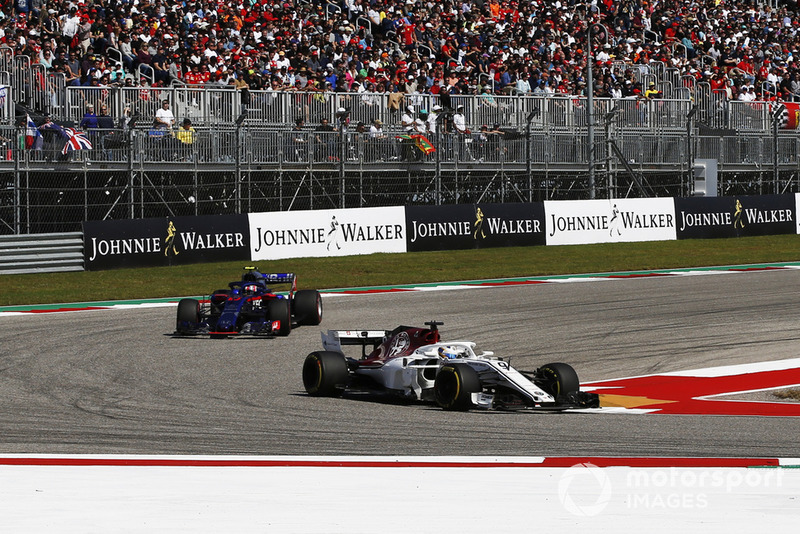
(414, 364)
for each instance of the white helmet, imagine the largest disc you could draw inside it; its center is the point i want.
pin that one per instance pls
(250, 289)
(448, 353)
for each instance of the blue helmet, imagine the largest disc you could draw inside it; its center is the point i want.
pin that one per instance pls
(448, 353)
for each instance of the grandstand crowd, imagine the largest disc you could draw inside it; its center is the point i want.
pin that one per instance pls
(745, 49)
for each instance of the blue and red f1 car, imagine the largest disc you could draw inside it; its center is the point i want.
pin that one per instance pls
(249, 306)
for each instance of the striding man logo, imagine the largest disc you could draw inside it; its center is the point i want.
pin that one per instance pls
(478, 225)
(737, 215)
(169, 241)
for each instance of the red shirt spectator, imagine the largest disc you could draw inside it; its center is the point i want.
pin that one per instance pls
(194, 77)
(408, 34)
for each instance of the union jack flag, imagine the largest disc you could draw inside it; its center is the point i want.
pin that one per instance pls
(76, 141)
(50, 125)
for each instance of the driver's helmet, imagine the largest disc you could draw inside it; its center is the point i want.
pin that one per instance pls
(251, 275)
(250, 289)
(449, 353)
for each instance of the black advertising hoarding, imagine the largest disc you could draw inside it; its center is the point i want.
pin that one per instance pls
(709, 217)
(165, 241)
(467, 226)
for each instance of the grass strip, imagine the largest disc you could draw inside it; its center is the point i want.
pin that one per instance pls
(399, 269)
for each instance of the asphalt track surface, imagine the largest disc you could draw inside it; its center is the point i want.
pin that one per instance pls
(117, 382)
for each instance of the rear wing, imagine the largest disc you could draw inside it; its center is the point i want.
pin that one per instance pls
(333, 340)
(282, 278)
(268, 279)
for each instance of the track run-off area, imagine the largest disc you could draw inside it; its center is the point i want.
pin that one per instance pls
(100, 403)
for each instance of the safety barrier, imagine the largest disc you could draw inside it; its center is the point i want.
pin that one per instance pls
(41, 253)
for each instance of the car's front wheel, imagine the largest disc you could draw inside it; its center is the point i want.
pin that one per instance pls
(325, 374)
(188, 315)
(454, 386)
(280, 310)
(558, 379)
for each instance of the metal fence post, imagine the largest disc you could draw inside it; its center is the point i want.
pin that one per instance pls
(590, 103)
(689, 156)
(239, 121)
(528, 165)
(17, 181)
(342, 157)
(776, 117)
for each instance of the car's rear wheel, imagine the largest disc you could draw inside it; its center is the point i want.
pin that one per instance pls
(558, 379)
(188, 315)
(325, 374)
(454, 386)
(280, 310)
(308, 307)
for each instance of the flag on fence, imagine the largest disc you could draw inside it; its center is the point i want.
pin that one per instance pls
(50, 125)
(33, 137)
(76, 141)
(420, 141)
(423, 144)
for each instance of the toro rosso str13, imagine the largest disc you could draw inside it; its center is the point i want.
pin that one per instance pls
(413, 363)
(249, 306)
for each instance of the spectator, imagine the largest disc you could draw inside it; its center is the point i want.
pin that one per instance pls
(128, 56)
(494, 148)
(513, 42)
(407, 119)
(325, 142)
(243, 88)
(105, 134)
(69, 28)
(73, 69)
(160, 65)
(90, 123)
(89, 120)
(46, 57)
(376, 130)
(186, 134)
(104, 121)
(462, 134)
(299, 144)
(164, 118)
(125, 120)
(523, 85)
(84, 34)
(433, 116)
(460, 121)
(651, 91)
(747, 95)
(407, 122)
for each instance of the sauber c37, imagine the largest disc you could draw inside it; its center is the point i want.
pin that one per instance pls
(413, 363)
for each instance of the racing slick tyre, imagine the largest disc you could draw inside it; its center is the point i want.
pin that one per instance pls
(188, 315)
(308, 307)
(280, 310)
(454, 386)
(325, 374)
(559, 379)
